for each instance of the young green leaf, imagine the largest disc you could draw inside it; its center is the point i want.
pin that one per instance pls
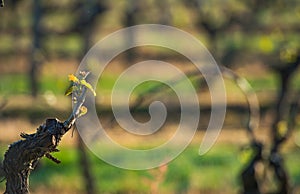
(70, 90)
(86, 84)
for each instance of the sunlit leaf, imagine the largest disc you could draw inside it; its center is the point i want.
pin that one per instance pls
(266, 45)
(246, 155)
(83, 111)
(288, 55)
(73, 78)
(86, 84)
(282, 128)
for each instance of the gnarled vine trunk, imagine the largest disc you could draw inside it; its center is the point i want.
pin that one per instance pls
(22, 156)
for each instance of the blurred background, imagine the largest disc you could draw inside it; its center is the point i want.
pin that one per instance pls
(42, 42)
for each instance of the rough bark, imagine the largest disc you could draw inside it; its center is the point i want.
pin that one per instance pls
(22, 156)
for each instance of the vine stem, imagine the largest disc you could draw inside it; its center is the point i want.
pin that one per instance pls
(22, 156)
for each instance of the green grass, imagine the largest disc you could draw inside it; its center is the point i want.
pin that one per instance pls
(269, 83)
(216, 171)
(19, 83)
(15, 84)
(11, 84)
